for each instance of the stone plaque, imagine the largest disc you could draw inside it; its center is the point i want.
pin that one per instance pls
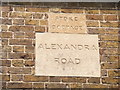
(67, 55)
(69, 23)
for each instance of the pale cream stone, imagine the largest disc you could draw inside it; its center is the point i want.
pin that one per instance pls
(66, 22)
(67, 55)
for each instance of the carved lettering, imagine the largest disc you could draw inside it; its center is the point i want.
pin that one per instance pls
(77, 60)
(64, 18)
(40, 46)
(59, 46)
(57, 60)
(53, 46)
(67, 54)
(66, 27)
(53, 26)
(74, 46)
(76, 18)
(67, 46)
(63, 60)
(70, 61)
(80, 47)
(94, 47)
(87, 47)
(62, 22)
(46, 46)
(67, 60)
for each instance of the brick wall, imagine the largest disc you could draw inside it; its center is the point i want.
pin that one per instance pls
(20, 22)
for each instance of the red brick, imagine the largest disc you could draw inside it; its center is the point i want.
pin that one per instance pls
(108, 11)
(113, 58)
(38, 85)
(20, 42)
(55, 10)
(102, 30)
(114, 73)
(94, 80)
(110, 51)
(6, 8)
(4, 84)
(55, 85)
(37, 9)
(103, 58)
(40, 29)
(75, 85)
(114, 86)
(109, 37)
(5, 77)
(109, 58)
(5, 14)
(5, 63)
(20, 15)
(110, 17)
(43, 22)
(31, 78)
(102, 44)
(20, 56)
(18, 48)
(71, 10)
(4, 70)
(4, 28)
(17, 63)
(38, 16)
(3, 55)
(92, 24)
(18, 21)
(93, 31)
(19, 70)
(112, 44)
(19, 85)
(21, 28)
(92, 11)
(95, 86)
(112, 31)
(19, 8)
(29, 35)
(104, 73)
(111, 65)
(109, 24)
(17, 77)
(94, 17)
(31, 22)
(6, 34)
(19, 35)
(29, 63)
(6, 48)
(7, 21)
(109, 80)
(29, 49)
(72, 79)
(55, 79)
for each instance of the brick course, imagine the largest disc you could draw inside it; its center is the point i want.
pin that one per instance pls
(20, 21)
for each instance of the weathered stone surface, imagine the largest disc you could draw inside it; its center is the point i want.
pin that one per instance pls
(67, 55)
(69, 23)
